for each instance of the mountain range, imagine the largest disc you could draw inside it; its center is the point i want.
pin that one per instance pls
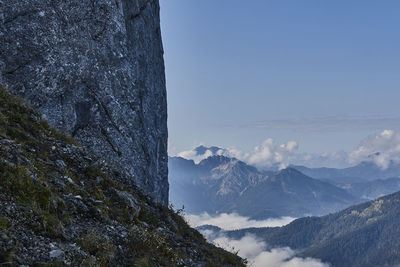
(363, 172)
(366, 180)
(221, 184)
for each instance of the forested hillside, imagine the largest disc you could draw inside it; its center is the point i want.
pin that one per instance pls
(363, 235)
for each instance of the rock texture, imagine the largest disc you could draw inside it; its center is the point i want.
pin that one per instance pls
(62, 206)
(94, 69)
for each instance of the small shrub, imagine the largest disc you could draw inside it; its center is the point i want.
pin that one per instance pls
(50, 225)
(99, 247)
(146, 244)
(4, 224)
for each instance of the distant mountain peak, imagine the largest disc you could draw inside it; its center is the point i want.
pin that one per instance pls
(214, 161)
(289, 171)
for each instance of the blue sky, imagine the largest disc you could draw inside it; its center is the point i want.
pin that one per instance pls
(322, 73)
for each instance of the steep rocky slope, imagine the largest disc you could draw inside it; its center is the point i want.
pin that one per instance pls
(94, 69)
(60, 205)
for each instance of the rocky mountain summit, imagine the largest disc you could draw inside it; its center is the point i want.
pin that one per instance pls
(94, 69)
(62, 206)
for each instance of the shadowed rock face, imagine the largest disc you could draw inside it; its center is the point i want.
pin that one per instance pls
(94, 69)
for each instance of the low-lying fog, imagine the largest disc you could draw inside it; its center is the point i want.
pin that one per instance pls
(250, 247)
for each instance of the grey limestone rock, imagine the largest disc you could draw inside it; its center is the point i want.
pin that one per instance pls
(56, 253)
(130, 201)
(95, 69)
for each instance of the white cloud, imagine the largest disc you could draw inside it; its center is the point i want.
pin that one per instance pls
(234, 221)
(380, 149)
(256, 252)
(270, 153)
(283, 257)
(249, 247)
(192, 154)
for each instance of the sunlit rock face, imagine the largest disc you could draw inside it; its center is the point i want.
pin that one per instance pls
(94, 69)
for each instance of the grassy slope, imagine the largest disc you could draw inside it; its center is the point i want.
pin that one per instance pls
(54, 194)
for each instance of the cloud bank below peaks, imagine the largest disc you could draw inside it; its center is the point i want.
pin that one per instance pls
(258, 254)
(234, 221)
(249, 247)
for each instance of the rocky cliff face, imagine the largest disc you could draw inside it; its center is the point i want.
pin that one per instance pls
(94, 69)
